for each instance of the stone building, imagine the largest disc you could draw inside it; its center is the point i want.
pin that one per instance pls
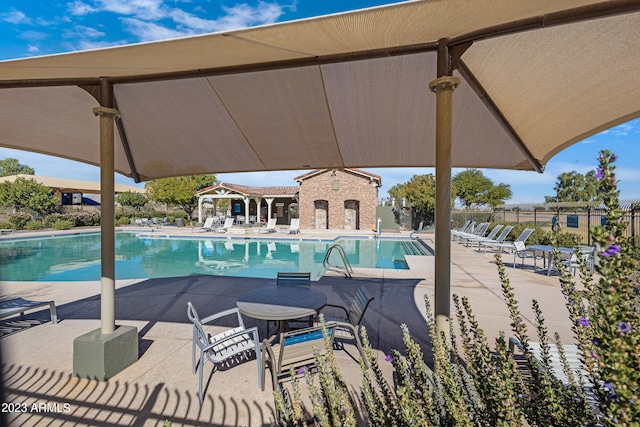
(338, 199)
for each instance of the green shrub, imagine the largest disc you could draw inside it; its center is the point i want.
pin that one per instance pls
(61, 224)
(123, 220)
(18, 221)
(33, 225)
(481, 385)
(5, 225)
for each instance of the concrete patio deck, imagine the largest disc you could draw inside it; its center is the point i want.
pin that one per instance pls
(37, 362)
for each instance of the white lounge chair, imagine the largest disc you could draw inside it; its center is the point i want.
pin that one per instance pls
(294, 228)
(478, 231)
(270, 227)
(472, 239)
(207, 226)
(511, 246)
(500, 239)
(231, 344)
(228, 223)
(468, 226)
(19, 305)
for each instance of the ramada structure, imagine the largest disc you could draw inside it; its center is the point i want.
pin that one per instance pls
(342, 198)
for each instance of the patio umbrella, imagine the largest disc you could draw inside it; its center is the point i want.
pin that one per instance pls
(345, 90)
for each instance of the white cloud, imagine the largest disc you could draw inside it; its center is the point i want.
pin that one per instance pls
(15, 17)
(148, 31)
(33, 49)
(80, 8)
(143, 9)
(80, 31)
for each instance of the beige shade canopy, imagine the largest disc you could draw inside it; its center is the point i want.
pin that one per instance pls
(345, 90)
(341, 91)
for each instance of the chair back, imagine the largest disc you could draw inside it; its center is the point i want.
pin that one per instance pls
(294, 279)
(505, 232)
(271, 223)
(295, 224)
(464, 227)
(297, 347)
(200, 337)
(524, 235)
(481, 229)
(228, 223)
(208, 223)
(359, 305)
(493, 232)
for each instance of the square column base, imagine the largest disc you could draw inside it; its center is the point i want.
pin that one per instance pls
(98, 356)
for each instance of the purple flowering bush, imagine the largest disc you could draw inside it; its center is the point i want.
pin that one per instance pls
(475, 383)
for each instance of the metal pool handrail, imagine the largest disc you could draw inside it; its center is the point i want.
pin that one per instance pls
(346, 269)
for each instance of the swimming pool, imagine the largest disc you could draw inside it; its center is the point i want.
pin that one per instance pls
(77, 257)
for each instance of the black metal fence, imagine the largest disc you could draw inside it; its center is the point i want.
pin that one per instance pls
(577, 218)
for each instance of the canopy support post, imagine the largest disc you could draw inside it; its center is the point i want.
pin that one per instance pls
(443, 88)
(102, 353)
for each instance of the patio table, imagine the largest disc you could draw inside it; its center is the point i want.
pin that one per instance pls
(547, 250)
(281, 304)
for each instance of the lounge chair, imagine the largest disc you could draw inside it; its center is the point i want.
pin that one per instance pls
(207, 226)
(478, 231)
(348, 326)
(472, 239)
(468, 226)
(228, 223)
(232, 344)
(294, 228)
(509, 245)
(19, 305)
(500, 239)
(270, 227)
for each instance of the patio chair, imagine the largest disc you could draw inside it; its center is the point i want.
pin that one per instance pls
(207, 226)
(19, 305)
(555, 366)
(573, 263)
(472, 239)
(228, 223)
(294, 349)
(270, 227)
(348, 326)
(508, 245)
(294, 279)
(294, 228)
(229, 346)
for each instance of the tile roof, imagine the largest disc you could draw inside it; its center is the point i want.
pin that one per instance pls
(290, 190)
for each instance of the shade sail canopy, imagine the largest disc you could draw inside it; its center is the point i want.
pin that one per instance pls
(346, 90)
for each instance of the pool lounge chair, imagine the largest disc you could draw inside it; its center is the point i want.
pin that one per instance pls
(468, 226)
(270, 227)
(207, 226)
(500, 239)
(294, 228)
(19, 305)
(478, 231)
(510, 246)
(471, 239)
(228, 223)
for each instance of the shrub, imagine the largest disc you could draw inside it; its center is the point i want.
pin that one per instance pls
(481, 385)
(4, 225)
(123, 220)
(33, 225)
(61, 224)
(18, 221)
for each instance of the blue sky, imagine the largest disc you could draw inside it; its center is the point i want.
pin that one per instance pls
(30, 28)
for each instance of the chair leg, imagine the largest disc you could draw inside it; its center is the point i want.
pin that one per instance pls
(200, 379)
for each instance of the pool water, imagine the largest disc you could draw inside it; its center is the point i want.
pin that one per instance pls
(77, 257)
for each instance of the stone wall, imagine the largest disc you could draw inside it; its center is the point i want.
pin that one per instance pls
(324, 190)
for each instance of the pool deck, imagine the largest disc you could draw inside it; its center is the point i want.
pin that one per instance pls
(37, 361)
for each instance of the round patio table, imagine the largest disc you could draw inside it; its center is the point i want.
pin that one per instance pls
(281, 303)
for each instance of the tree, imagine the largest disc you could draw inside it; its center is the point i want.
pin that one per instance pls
(179, 191)
(398, 192)
(475, 189)
(420, 191)
(26, 193)
(575, 187)
(10, 166)
(132, 200)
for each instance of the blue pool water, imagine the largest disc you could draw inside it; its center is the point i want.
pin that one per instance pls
(77, 257)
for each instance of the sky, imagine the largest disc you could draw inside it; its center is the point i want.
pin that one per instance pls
(33, 28)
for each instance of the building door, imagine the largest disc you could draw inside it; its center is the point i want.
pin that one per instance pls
(351, 215)
(321, 210)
